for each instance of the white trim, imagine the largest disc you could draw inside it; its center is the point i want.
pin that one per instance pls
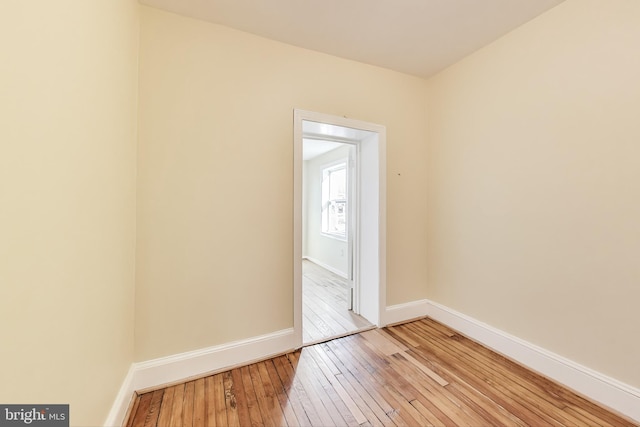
(326, 267)
(382, 226)
(377, 315)
(192, 363)
(401, 313)
(607, 391)
(179, 367)
(121, 404)
(297, 226)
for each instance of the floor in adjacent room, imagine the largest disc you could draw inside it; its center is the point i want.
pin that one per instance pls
(325, 306)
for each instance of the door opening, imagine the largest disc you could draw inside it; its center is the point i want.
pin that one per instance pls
(339, 245)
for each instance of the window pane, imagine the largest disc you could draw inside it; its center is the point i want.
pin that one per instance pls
(337, 217)
(338, 184)
(334, 203)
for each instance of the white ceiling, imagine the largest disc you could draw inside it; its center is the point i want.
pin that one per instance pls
(419, 37)
(312, 148)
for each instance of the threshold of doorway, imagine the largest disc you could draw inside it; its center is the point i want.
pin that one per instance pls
(335, 337)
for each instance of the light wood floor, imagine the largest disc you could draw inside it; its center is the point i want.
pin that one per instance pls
(325, 312)
(416, 374)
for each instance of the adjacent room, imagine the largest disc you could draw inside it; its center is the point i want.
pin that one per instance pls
(328, 252)
(297, 204)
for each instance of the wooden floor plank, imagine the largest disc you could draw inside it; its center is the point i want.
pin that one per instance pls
(270, 410)
(351, 406)
(379, 366)
(506, 387)
(378, 375)
(286, 373)
(480, 383)
(412, 390)
(282, 416)
(325, 305)
(378, 342)
(314, 327)
(230, 403)
(520, 382)
(493, 414)
(361, 408)
(381, 408)
(178, 402)
(450, 404)
(135, 404)
(154, 408)
(166, 407)
(334, 405)
(325, 406)
(430, 416)
(401, 336)
(138, 416)
(209, 402)
(199, 414)
(416, 374)
(422, 367)
(280, 392)
(219, 398)
(255, 415)
(310, 410)
(187, 407)
(326, 312)
(239, 398)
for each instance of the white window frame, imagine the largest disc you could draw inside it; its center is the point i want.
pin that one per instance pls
(341, 164)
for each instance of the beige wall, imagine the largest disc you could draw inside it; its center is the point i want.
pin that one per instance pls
(67, 194)
(215, 185)
(529, 221)
(534, 184)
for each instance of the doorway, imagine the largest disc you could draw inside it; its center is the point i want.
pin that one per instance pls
(339, 244)
(329, 192)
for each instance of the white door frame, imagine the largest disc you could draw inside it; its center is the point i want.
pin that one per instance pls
(371, 240)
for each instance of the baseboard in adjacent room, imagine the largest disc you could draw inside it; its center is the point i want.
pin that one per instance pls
(326, 267)
(607, 391)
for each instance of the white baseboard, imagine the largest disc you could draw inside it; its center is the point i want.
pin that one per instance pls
(607, 391)
(121, 404)
(400, 313)
(326, 267)
(178, 367)
(600, 388)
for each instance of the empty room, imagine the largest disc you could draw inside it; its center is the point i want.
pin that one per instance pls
(413, 212)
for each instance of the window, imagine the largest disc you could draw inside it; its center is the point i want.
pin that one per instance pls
(334, 200)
